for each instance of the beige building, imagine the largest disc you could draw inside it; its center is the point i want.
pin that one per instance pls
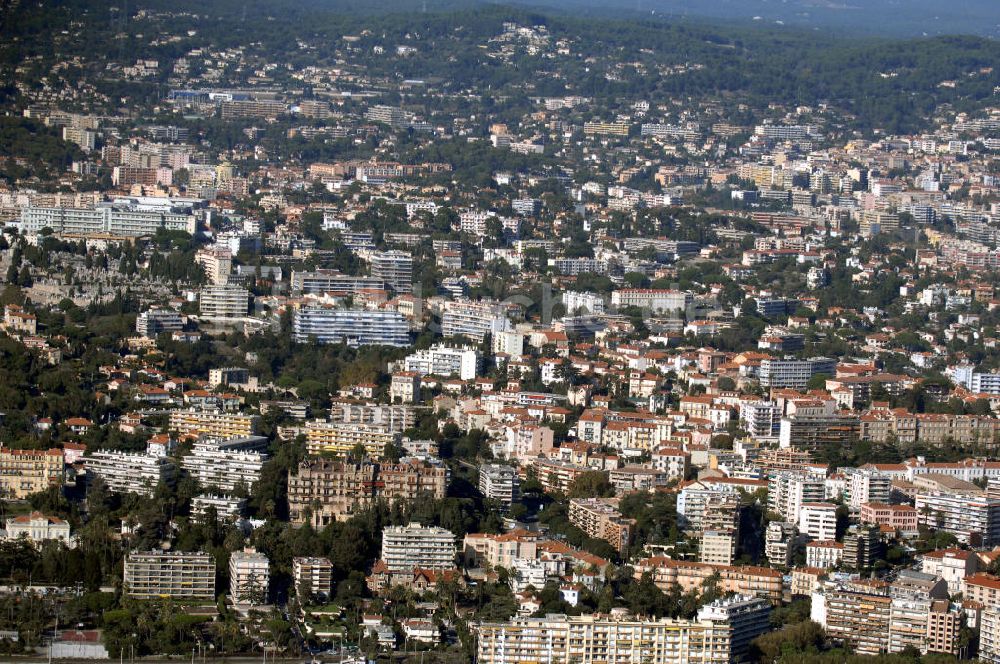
(600, 518)
(341, 438)
(156, 574)
(24, 472)
(212, 424)
(687, 575)
(249, 577)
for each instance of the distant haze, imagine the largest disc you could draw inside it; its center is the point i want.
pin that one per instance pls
(887, 17)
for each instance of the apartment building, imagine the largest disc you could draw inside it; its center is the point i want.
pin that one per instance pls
(130, 472)
(332, 281)
(747, 617)
(606, 128)
(474, 320)
(989, 635)
(718, 547)
(24, 472)
(787, 491)
(394, 417)
(657, 300)
(897, 517)
(395, 268)
(414, 545)
(928, 625)
(313, 577)
(818, 520)
(687, 575)
(600, 518)
(226, 464)
(492, 551)
(326, 490)
(983, 588)
(795, 374)
(217, 263)
(973, 519)
(499, 482)
(224, 506)
(154, 322)
(249, 577)
(355, 327)
(174, 574)
(213, 424)
(864, 485)
(440, 360)
(224, 302)
(855, 614)
(340, 438)
(104, 221)
(814, 433)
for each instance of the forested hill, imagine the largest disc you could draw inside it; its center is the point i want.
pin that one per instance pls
(877, 83)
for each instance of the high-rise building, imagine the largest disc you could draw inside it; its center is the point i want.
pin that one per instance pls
(445, 361)
(130, 472)
(973, 519)
(355, 327)
(776, 373)
(855, 614)
(213, 424)
(313, 577)
(414, 545)
(600, 518)
(862, 547)
(224, 302)
(788, 490)
(176, 574)
(249, 577)
(153, 322)
(341, 438)
(395, 268)
(226, 464)
(499, 482)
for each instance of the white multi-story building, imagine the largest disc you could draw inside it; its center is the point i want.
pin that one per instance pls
(126, 472)
(224, 302)
(178, 574)
(355, 327)
(747, 617)
(154, 322)
(312, 576)
(217, 263)
(226, 464)
(657, 300)
(864, 485)
(575, 302)
(762, 419)
(824, 554)
(794, 373)
(818, 520)
(788, 490)
(474, 319)
(326, 281)
(395, 268)
(123, 223)
(249, 577)
(989, 635)
(226, 507)
(414, 545)
(442, 360)
(973, 519)
(499, 482)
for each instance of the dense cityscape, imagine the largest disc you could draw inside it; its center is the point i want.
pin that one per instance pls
(488, 334)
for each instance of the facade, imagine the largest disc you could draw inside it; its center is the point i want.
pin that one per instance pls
(179, 575)
(313, 577)
(989, 635)
(474, 320)
(657, 300)
(355, 327)
(442, 360)
(500, 483)
(224, 302)
(687, 575)
(37, 528)
(818, 520)
(105, 221)
(718, 547)
(340, 438)
(249, 577)
(153, 322)
(213, 424)
(226, 464)
(973, 519)
(865, 486)
(325, 490)
(126, 472)
(600, 518)
(24, 472)
(331, 281)
(856, 615)
(794, 374)
(787, 491)
(395, 268)
(897, 517)
(426, 547)
(614, 639)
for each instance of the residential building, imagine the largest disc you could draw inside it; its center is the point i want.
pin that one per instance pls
(600, 518)
(355, 327)
(341, 438)
(855, 614)
(787, 373)
(249, 577)
(24, 472)
(395, 268)
(656, 300)
(213, 424)
(174, 574)
(973, 519)
(440, 360)
(499, 482)
(130, 472)
(688, 576)
(37, 528)
(326, 490)
(414, 545)
(226, 464)
(818, 520)
(224, 302)
(154, 322)
(313, 577)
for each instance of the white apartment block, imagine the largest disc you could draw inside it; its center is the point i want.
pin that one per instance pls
(788, 490)
(355, 327)
(313, 577)
(818, 520)
(989, 635)
(395, 268)
(121, 223)
(224, 465)
(657, 300)
(575, 301)
(128, 472)
(474, 319)
(499, 482)
(442, 360)
(973, 519)
(226, 507)
(156, 574)
(224, 302)
(864, 485)
(414, 545)
(154, 322)
(217, 263)
(249, 577)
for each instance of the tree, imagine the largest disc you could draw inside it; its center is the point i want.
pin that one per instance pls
(591, 484)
